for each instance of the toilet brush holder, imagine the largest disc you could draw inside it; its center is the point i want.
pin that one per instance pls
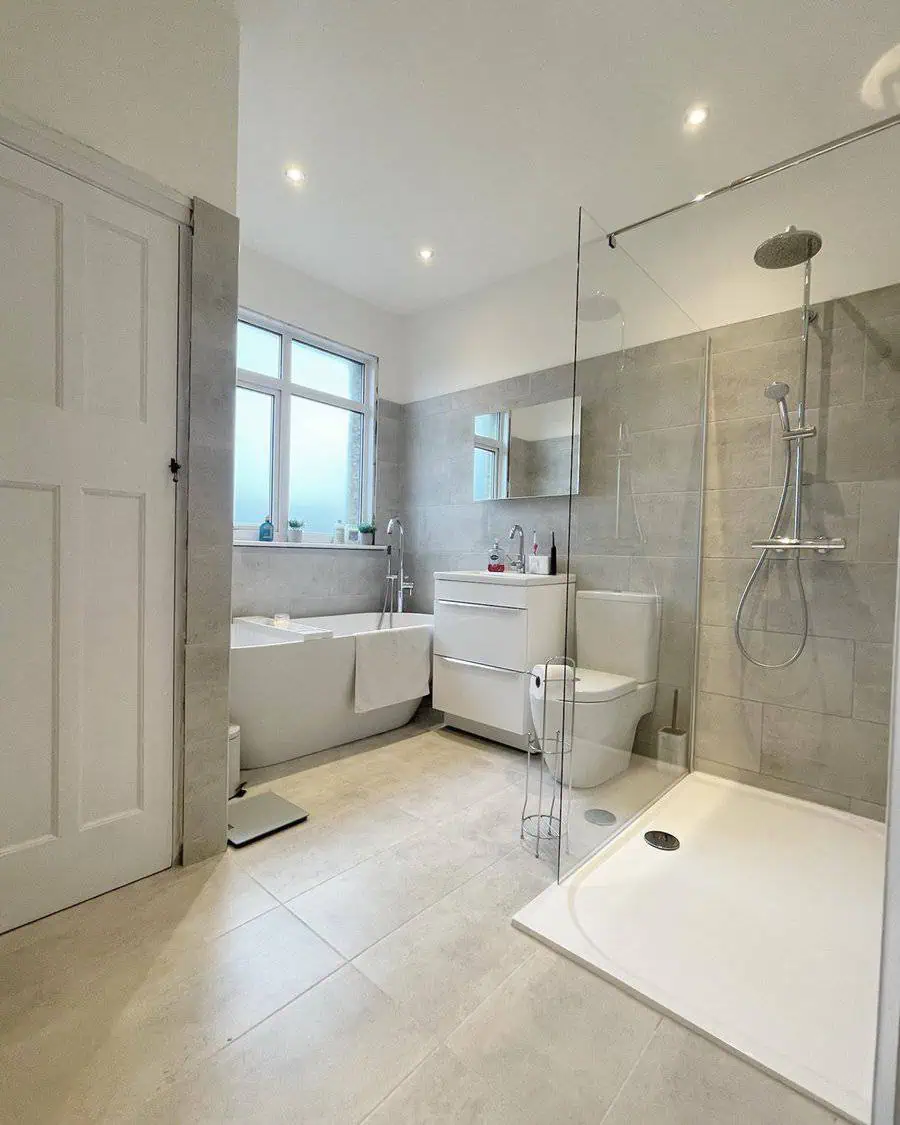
(671, 741)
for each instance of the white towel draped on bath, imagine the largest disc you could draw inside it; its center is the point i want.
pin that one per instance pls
(392, 666)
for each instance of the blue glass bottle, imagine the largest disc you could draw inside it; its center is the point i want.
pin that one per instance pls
(267, 530)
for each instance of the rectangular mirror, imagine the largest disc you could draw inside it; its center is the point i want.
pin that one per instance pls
(526, 451)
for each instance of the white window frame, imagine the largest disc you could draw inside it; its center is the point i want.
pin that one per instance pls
(283, 391)
(500, 448)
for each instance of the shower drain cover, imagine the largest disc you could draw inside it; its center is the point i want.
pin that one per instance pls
(600, 816)
(665, 841)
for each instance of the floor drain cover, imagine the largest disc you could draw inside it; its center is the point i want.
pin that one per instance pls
(665, 841)
(600, 816)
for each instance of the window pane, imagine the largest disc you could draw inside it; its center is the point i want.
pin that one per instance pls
(487, 425)
(253, 418)
(326, 464)
(485, 461)
(325, 371)
(258, 350)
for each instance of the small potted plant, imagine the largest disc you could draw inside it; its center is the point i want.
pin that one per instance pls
(367, 533)
(295, 531)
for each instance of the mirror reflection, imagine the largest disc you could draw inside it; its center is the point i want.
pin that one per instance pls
(527, 451)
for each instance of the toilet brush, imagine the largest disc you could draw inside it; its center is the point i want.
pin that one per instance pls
(671, 741)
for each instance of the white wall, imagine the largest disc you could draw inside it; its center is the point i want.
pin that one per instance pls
(152, 83)
(274, 289)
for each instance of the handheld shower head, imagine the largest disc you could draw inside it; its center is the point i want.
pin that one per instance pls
(778, 392)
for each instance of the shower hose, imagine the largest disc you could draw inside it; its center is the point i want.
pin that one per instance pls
(760, 563)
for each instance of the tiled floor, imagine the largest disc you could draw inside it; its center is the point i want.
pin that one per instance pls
(361, 967)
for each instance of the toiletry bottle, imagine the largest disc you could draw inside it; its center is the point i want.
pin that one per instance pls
(339, 532)
(534, 542)
(267, 530)
(496, 564)
(553, 552)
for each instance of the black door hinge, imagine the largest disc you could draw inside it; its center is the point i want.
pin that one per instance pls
(174, 468)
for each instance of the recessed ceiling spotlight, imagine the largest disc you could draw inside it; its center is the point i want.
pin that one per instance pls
(696, 116)
(426, 254)
(294, 175)
(699, 198)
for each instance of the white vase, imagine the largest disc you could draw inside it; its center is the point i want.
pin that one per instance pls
(295, 535)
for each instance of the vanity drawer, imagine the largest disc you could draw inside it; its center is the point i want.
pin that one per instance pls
(485, 634)
(492, 696)
(479, 593)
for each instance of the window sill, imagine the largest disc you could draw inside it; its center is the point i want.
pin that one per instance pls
(279, 544)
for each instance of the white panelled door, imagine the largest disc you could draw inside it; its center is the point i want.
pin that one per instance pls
(88, 372)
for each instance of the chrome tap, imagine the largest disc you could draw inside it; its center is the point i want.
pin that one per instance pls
(404, 585)
(519, 561)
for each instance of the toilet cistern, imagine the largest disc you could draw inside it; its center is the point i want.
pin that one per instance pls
(519, 562)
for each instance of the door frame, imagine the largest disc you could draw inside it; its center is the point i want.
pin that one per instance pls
(71, 157)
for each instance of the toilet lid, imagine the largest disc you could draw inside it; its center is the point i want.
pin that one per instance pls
(592, 686)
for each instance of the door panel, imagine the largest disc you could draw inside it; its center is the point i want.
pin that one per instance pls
(88, 367)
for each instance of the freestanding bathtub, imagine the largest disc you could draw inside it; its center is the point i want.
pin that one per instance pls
(292, 694)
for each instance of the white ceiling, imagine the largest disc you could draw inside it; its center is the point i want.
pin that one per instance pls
(479, 126)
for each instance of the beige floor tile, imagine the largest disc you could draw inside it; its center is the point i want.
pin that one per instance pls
(495, 817)
(366, 903)
(683, 1079)
(162, 913)
(102, 1047)
(328, 1058)
(446, 960)
(556, 1041)
(442, 1091)
(293, 861)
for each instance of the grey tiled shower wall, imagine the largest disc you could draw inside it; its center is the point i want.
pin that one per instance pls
(817, 729)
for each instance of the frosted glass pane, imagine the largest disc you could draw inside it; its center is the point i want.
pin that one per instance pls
(487, 426)
(258, 350)
(253, 418)
(324, 371)
(326, 464)
(484, 474)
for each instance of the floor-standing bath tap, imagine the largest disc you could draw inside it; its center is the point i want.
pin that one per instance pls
(403, 584)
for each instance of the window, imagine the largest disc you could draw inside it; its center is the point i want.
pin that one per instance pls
(490, 456)
(304, 431)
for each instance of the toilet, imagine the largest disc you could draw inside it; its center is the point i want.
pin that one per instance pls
(617, 637)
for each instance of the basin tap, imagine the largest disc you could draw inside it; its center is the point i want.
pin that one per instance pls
(519, 560)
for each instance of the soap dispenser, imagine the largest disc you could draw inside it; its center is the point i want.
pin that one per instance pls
(496, 563)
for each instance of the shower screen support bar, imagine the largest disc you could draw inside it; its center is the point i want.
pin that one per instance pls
(762, 174)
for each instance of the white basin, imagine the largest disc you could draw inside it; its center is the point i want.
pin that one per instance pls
(504, 578)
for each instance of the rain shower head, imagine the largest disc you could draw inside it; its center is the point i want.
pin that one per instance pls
(778, 392)
(787, 248)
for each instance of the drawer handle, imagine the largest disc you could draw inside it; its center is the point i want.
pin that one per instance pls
(481, 605)
(475, 664)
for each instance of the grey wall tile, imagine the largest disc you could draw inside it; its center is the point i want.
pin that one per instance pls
(852, 600)
(209, 514)
(868, 809)
(666, 460)
(738, 453)
(872, 682)
(269, 580)
(883, 359)
(733, 518)
(821, 680)
(669, 524)
(729, 730)
(774, 784)
(858, 442)
(879, 509)
(674, 580)
(762, 330)
(723, 583)
(676, 651)
(602, 572)
(840, 755)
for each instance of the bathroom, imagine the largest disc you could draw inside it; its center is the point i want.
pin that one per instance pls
(522, 678)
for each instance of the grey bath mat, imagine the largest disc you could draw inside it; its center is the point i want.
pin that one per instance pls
(251, 818)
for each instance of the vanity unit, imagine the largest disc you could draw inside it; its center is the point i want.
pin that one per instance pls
(489, 632)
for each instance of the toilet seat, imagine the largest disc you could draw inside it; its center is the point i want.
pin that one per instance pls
(591, 685)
